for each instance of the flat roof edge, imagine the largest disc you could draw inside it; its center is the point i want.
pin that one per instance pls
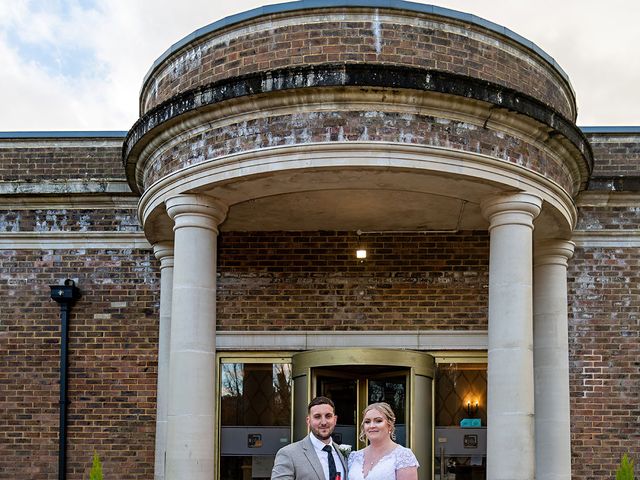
(611, 129)
(393, 4)
(65, 134)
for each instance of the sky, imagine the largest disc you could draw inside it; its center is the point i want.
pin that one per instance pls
(79, 64)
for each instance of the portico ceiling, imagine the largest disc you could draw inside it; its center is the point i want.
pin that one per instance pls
(354, 200)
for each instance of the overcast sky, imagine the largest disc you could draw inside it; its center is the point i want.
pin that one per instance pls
(79, 64)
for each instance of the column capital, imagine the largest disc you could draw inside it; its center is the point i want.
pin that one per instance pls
(553, 252)
(517, 208)
(196, 210)
(164, 252)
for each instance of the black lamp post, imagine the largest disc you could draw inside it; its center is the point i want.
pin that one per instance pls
(65, 295)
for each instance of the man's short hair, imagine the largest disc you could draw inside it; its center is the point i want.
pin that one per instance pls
(321, 401)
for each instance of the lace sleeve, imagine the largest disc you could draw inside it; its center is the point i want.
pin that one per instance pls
(405, 458)
(352, 458)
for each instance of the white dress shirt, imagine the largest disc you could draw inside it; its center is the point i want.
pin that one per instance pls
(323, 457)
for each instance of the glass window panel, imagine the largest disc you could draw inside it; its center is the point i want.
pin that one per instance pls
(255, 417)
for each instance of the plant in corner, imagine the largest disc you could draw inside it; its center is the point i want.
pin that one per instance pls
(96, 469)
(625, 470)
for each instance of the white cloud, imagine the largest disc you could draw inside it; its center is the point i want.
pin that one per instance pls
(113, 43)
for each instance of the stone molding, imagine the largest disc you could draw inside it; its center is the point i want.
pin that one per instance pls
(458, 109)
(71, 202)
(607, 238)
(201, 211)
(516, 208)
(67, 187)
(73, 240)
(608, 199)
(190, 103)
(164, 251)
(309, 340)
(557, 252)
(361, 154)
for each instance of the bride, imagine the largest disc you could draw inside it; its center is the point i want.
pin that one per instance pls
(382, 459)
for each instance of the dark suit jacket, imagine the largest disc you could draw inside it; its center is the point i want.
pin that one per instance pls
(299, 461)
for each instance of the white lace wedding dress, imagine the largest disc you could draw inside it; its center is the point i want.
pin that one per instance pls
(385, 469)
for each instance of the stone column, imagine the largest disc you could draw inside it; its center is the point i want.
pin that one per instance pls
(510, 402)
(191, 431)
(163, 252)
(551, 360)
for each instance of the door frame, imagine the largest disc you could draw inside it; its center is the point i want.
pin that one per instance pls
(419, 415)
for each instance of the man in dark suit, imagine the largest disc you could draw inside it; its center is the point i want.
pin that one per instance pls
(315, 457)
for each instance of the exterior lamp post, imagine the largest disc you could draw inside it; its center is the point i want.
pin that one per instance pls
(65, 295)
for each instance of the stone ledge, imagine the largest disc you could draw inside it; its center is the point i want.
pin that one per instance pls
(305, 340)
(73, 240)
(352, 75)
(64, 187)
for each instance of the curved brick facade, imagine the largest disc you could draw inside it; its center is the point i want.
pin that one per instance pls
(349, 126)
(358, 35)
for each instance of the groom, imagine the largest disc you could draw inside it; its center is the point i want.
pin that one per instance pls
(315, 457)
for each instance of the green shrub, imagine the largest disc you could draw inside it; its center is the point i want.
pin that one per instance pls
(625, 470)
(96, 469)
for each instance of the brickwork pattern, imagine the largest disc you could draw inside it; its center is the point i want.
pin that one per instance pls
(322, 37)
(604, 355)
(48, 161)
(69, 220)
(615, 155)
(344, 126)
(608, 218)
(112, 363)
(312, 281)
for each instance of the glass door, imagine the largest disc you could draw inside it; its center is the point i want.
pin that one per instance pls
(354, 378)
(353, 391)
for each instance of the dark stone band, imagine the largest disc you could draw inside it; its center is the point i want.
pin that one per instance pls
(359, 75)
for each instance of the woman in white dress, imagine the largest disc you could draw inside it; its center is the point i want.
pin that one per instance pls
(382, 459)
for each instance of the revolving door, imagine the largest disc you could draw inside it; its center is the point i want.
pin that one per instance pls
(354, 378)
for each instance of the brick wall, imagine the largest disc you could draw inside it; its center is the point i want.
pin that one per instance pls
(311, 280)
(112, 363)
(357, 36)
(615, 154)
(54, 160)
(604, 342)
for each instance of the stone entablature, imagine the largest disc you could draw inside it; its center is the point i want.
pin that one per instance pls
(263, 131)
(403, 35)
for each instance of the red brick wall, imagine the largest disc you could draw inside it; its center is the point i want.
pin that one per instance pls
(615, 155)
(53, 160)
(352, 36)
(604, 342)
(112, 363)
(311, 280)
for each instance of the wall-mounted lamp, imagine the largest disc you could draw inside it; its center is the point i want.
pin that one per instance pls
(472, 410)
(361, 254)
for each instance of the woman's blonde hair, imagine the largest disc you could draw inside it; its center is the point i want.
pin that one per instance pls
(389, 416)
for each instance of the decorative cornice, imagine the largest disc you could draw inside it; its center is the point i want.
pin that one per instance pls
(73, 240)
(608, 199)
(191, 102)
(77, 202)
(64, 187)
(607, 238)
(358, 154)
(308, 340)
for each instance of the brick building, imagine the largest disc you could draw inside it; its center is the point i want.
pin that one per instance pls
(215, 242)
